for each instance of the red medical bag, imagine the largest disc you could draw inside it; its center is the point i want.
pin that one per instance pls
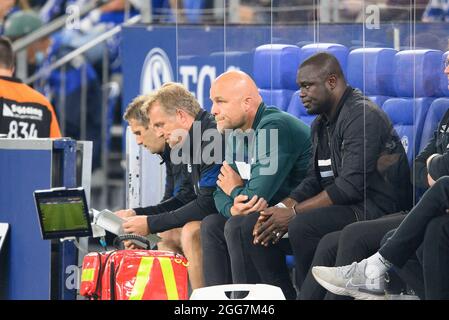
(134, 275)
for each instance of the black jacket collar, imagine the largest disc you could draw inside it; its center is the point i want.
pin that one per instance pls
(12, 79)
(344, 97)
(165, 155)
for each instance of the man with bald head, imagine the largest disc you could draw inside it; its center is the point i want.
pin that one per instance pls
(267, 152)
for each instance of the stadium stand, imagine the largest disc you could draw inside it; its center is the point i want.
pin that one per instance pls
(436, 109)
(416, 83)
(402, 114)
(369, 69)
(276, 78)
(338, 50)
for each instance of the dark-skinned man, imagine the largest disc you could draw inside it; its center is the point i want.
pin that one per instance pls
(419, 248)
(358, 171)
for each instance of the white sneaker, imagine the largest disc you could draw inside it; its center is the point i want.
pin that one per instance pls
(351, 281)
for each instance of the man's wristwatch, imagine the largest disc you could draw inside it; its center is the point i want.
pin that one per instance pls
(281, 205)
(294, 209)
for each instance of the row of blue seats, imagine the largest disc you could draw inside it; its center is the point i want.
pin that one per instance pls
(378, 72)
(405, 84)
(415, 77)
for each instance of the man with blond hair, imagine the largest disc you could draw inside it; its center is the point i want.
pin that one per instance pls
(177, 118)
(178, 189)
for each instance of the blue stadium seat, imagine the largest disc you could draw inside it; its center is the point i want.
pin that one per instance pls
(277, 98)
(435, 113)
(408, 116)
(275, 66)
(194, 10)
(370, 70)
(274, 72)
(290, 260)
(296, 108)
(443, 80)
(338, 50)
(379, 100)
(417, 73)
(401, 114)
(416, 79)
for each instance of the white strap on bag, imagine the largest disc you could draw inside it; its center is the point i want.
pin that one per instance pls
(255, 292)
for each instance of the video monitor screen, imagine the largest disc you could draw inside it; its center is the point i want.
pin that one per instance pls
(63, 213)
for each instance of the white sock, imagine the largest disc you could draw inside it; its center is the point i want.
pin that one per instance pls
(376, 266)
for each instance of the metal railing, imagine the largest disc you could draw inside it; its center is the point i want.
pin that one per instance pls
(20, 45)
(62, 65)
(77, 52)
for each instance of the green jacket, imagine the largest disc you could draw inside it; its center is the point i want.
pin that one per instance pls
(292, 153)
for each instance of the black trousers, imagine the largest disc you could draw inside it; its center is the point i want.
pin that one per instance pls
(412, 272)
(427, 271)
(436, 259)
(410, 234)
(306, 230)
(216, 262)
(229, 255)
(354, 242)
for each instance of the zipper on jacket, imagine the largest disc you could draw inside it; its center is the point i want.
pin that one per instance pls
(196, 181)
(356, 215)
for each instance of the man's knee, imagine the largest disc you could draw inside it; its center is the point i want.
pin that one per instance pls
(442, 182)
(190, 233)
(172, 235)
(298, 228)
(326, 252)
(352, 234)
(212, 225)
(242, 225)
(170, 240)
(232, 226)
(329, 244)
